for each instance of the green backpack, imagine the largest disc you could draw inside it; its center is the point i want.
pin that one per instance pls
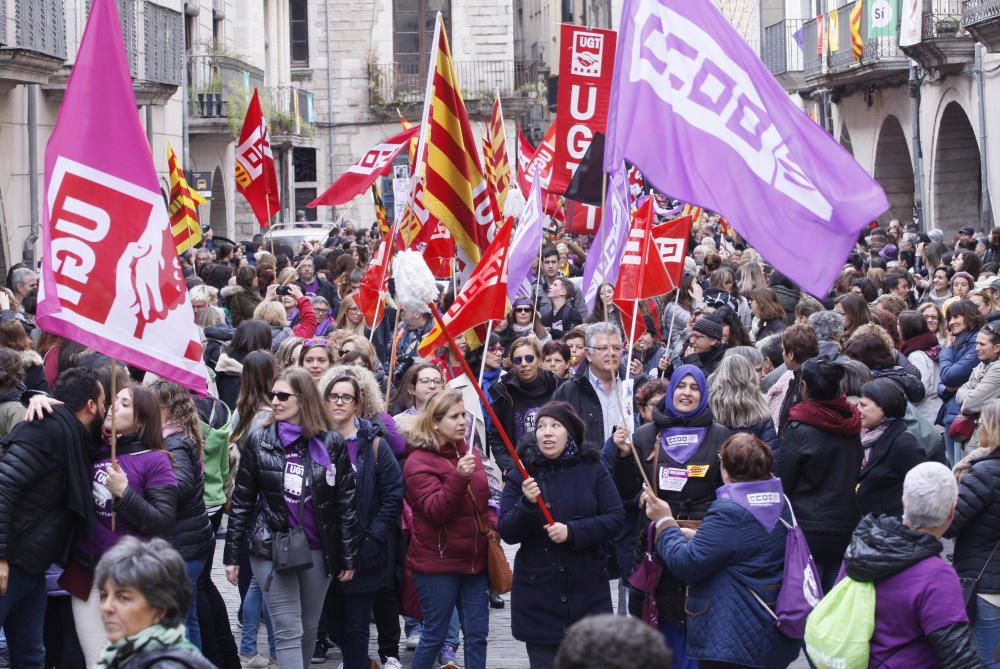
(839, 630)
(216, 441)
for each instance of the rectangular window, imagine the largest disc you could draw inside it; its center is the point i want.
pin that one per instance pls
(413, 31)
(299, 30)
(304, 164)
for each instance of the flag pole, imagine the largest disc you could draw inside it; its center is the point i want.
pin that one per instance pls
(392, 354)
(628, 435)
(114, 427)
(489, 409)
(538, 274)
(631, 335)
(604, 234)
(267, 206)
(486, 346)
(670, 330)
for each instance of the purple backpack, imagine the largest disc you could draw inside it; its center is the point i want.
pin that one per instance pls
(646, 577)
(800, 590)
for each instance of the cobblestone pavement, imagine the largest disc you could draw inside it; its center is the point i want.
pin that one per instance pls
(504, 651)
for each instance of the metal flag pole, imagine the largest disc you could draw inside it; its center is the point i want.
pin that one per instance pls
(114, 427)
(486, 347)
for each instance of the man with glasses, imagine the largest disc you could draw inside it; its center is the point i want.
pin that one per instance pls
(313, 285)
(705, 345)
(592, 389)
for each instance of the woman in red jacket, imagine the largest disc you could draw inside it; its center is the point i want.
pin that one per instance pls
(446, 487)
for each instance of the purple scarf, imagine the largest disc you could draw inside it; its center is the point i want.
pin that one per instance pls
(289, 433)
(763, 499)
(681, 443)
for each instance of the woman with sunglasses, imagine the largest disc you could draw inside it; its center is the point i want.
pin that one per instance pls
(294, 476)
(315, 357)
(379, 502)
(516, 397)
(522, 321)
(447, 489)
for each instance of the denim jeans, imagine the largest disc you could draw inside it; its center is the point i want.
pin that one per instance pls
(347, 617)
(986, 633)
(439, 594)
(411, 625)
(676, 638)
(194, 569)
(254, 609)
(22, 617)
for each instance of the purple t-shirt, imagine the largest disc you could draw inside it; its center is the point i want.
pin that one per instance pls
(299, 503)
(145, 470)
(910, 605)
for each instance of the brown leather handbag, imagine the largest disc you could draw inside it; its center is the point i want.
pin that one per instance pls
(497, 567)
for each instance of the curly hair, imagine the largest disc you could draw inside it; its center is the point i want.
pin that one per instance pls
(734, 394)
(11, 368)
(371, 401)
(180, 410)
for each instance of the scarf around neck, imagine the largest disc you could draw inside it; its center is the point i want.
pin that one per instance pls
(155, 637)
(926, 342)
(837, 416)
(289, 433)
(763, 499)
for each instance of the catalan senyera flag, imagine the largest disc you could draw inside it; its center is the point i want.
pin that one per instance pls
(380, 215)
(183, 206)
(455, 189)
(857, 43)
(501, 161)
(413, 142)
(490, 173)
(692, 211)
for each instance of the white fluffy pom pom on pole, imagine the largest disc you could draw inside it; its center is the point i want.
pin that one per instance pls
(514, 206)
(415, 286)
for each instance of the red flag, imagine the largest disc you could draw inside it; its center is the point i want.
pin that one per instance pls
(525, 152)
(671, 241)
(359, 177)
(256, 177)
(438, 248)
(584, 219)
(642, 274)
(373, 286)
(540, 158)
(484, 296)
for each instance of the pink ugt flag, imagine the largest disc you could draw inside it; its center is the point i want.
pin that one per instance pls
(110, 275)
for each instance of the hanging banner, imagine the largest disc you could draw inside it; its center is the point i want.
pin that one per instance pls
(911, 28)
(883, 18)
(586, 64)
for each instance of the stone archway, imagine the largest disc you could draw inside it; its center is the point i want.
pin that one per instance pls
(957, 183)
(845, 139)
(894, 171)
(217, 213)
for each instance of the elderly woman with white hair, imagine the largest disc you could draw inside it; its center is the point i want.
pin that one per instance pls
(145, 597)
(829, 328)
(920, 613)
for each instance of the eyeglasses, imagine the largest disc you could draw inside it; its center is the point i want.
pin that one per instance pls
(496, 349)
(605, 349)
(282, 397)
(430, 381)
(340, 399)
(526, 359)
(353, 310)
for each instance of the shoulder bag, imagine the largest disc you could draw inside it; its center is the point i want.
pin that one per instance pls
(501, 578)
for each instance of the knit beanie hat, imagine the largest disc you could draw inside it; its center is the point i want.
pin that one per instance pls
(709, 327)
(565, 414)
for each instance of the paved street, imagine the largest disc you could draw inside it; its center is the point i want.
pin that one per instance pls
(504, 652)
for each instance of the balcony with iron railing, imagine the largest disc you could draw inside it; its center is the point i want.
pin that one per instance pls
(881, 56)
(944, 44)
(782, 52)
(981, 18)
(290, 115)
(215, 83)
(33, 34)
(395, 85)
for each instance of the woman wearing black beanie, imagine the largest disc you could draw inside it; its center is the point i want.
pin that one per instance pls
(890, 451)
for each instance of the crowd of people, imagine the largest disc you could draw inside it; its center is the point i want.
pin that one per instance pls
(360, 487)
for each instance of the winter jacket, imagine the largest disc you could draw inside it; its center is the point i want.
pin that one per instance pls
(976, 527)
(228, 372)
(788, 298)
(241, 303)
(930, 376)
(673, 322)
(515, 405)
(910, 384)
(166, 658)
(730, 555)
(379, 503)
(43, 464)
(956, 363)
(563, 320)
(983, 384)
(689, 503)
(764, 430)
(191, 534)
(11, 409)
(920, 618)
(557, 584)
(214, 340)
(764, 329)
(259, 509)
(578, 391)
(819, 471)
(707, 361)
(445, 537)
(880, 483)
(324, 289)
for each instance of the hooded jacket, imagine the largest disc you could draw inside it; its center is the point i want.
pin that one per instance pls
(241, 303)
(920, 618)
(976, 526)
(191, 534)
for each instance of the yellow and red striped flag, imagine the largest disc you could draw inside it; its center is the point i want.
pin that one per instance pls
(380, 215)
(857, 43)
(413, 142)
(692, 211)
(183, 206)
(501, 160)
(455, 188)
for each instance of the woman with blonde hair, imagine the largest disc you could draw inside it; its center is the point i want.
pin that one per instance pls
(936, 321)
(448, 491)
(737, 402)
(750, 276)
(976, 530)
(288, 352)
(361, 344)
(350, 318)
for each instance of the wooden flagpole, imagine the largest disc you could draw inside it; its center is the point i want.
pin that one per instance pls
(114, 427)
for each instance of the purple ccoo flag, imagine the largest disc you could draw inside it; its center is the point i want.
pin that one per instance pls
(697, 112)
(605, 255)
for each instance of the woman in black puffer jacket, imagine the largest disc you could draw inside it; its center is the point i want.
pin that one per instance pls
(191, 534)
(976, 529)
(295, 473)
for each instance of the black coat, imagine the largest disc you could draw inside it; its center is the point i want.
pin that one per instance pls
(557, 584)
(515, 406)
(581, 395)
(880, 483)
(259, 508)
(326, 290)
(379, 503)
(192, 534)
(976, 527)
(562, 321)
(37, 526)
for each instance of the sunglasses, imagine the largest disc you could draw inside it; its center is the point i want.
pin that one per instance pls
(340, 399)
(523, 310)
(496, 349)
(282, 397)
(527, 359)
